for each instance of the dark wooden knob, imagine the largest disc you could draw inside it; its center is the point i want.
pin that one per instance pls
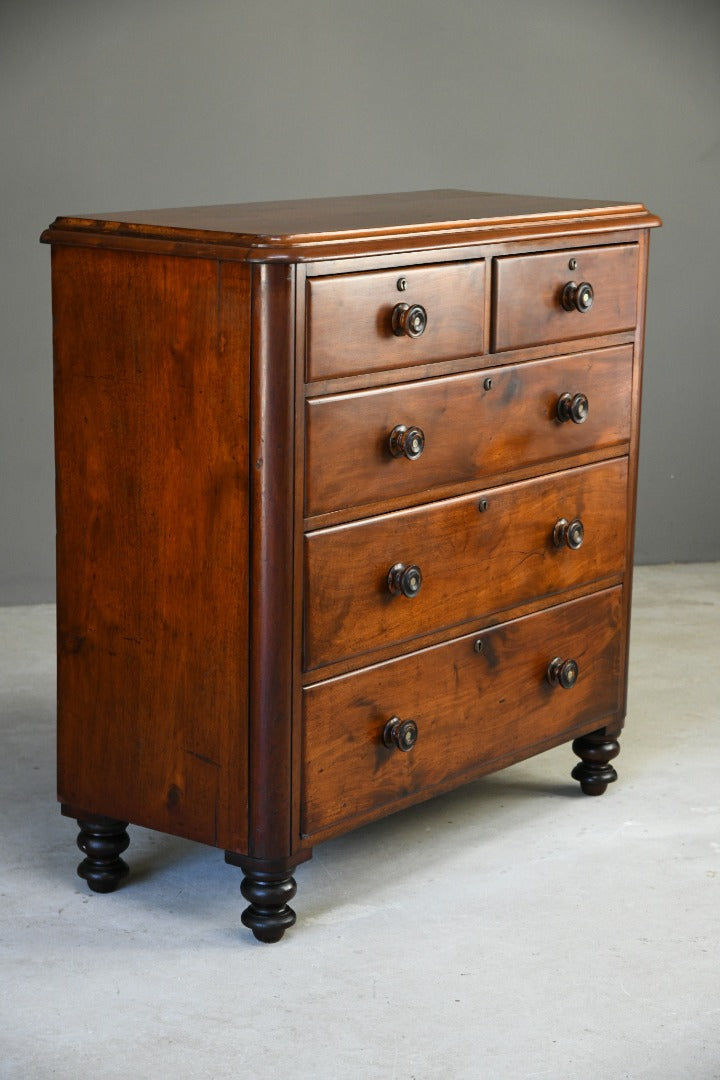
(578, 297)
(400, 733)
(407, 441)
(404, 580)
(409, 319)
(573, 407)
(562, 673)
(567, 532)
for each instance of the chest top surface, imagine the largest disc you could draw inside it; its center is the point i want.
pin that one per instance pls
(298, 229)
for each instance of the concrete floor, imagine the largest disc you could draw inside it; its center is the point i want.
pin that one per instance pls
(512, 929)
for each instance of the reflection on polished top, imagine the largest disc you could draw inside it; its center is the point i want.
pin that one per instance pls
(276, 227)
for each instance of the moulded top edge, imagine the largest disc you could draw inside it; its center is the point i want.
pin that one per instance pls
(275, 226)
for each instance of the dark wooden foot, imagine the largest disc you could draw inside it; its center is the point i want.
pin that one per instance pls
(268, 915)
(593, 770)
(103, 840)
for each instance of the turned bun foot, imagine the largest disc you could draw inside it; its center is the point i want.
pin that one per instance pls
(268, 915)
(102, 841)
(593, 770)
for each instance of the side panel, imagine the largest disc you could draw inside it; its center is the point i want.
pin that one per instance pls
(152, 401)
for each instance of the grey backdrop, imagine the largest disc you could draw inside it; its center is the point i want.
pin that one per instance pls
(124, 104)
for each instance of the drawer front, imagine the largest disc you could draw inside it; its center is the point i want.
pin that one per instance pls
(468, 431)
(528, 295)
(473, 561)
(470, 708)
(350, 318)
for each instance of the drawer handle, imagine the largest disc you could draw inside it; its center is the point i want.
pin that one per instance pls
(400, 733)
(404, 580)
(407, 441)
(578, 297)
(409, 319)
(573, 407)
(562, 673)
(567, 532)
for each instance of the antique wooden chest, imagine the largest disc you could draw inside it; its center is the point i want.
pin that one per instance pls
(345, 503)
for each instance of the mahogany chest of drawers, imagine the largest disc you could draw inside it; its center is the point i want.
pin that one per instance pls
(345, 502)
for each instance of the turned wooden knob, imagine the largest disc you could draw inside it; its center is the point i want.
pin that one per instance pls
(578, 297)
(404, 580)
(409, 319)
(562, 673)
(401, 734)
(407, 441)
(573, 407)
(567, 532)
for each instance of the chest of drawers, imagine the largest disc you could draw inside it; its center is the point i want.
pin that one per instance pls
(345, 502)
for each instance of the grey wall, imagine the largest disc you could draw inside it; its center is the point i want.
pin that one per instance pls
(123, 104)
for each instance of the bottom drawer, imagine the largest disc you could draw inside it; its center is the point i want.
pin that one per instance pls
(471, 708)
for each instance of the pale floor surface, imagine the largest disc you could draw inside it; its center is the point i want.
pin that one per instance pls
(514, 929)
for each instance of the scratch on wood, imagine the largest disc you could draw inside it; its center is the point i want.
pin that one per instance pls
(203, 758)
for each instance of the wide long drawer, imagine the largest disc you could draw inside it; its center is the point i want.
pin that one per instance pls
(470, 708)
(360, 449)
(559, 295)
(355, 325)
(471, 556)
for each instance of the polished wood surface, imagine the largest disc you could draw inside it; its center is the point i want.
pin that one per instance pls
(470, 708)
(349, 318)
(527, 295)
(473, 562)
(475, 425)
(152, 416)
(311, 570)
(349, 215)
(271, 563)
(321, 228)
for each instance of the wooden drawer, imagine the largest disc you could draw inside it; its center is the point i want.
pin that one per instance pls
(350, 318)
(470, 432)
(471, 709)
(528, 295)
(473, 561)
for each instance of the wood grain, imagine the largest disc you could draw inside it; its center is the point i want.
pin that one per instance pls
(151, 387)
(528, 289)
(470, 432)
(306, 230)
(351, 216)
(349, 318)
(472, 563)
(470, 708)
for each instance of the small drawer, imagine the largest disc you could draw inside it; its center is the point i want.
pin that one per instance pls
(357, 323)
(379, 444)
(469, 709)
(535, 304)
(462, 559)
